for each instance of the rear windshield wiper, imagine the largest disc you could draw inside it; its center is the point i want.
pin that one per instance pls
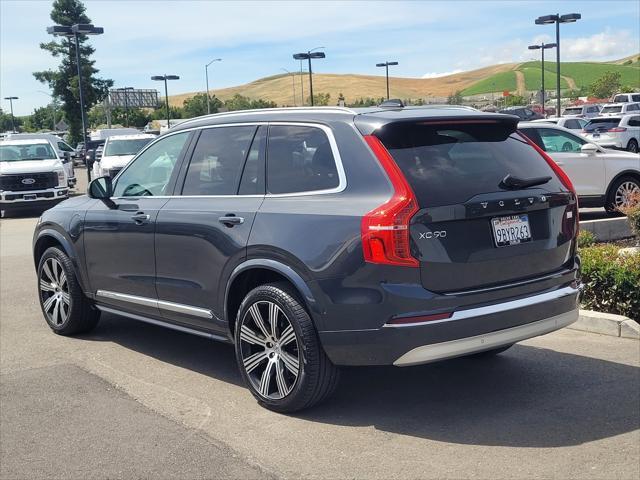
(511, 182)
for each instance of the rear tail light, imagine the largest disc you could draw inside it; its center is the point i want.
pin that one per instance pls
(385, 229)
(572, 210)
(617, 129)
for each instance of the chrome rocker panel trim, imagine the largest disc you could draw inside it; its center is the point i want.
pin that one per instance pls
(488, 341)
(160, 304)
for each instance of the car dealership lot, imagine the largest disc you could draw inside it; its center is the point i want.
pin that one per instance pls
(132, 399)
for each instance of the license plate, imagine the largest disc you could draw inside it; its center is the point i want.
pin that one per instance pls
(29, 196)
(596, 135)
(511, 230)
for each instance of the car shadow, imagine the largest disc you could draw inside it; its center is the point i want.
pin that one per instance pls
(525, 397)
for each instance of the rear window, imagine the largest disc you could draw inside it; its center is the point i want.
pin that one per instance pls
(572, 111)
(598, 124)
(612, 109)
(450, 164)
(621, 98)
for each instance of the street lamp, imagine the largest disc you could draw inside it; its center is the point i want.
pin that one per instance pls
(75, 31)
(13, 121)
(558, 19)
(206, 74)
(386, 66)
(293, 85)
(308, 56)
(164, 78)
(126, 91)
(542, 47)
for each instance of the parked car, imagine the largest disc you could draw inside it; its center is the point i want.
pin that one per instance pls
(317, 237)
(572, 123)
(582, 111)
(89, 154)
(118, 150)
(524, 113)
(63, 150)
(620, 132)
(619, 109)
(31, 175)
(626, 97)
(602, 177)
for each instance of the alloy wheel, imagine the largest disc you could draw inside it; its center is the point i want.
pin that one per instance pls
(269, 350)
(54, 292)
(625, 193)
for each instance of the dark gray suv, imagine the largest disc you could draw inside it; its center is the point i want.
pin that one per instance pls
(318, 237)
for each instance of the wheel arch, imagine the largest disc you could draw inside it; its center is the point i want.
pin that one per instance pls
(252, 273)
(626, 173)
(49, 237)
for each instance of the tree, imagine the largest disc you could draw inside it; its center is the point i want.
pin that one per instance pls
(197, 105)
(239, 102)
(64, 81)
(606, 85)
(320, 99)
(455, 98)
(40, 119)
(5, 122)
(513, 100)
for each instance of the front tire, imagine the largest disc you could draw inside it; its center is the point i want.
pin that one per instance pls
(279, 353)
(632, 146)
(64, 306)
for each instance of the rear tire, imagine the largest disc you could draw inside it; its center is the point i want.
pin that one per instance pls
(632, 146)
(620, 192)
(65, 308)
(279, 353)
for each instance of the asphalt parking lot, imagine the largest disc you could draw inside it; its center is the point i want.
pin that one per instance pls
(134, 400)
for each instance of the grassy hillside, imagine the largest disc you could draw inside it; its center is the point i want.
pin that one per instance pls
(533, 77)
(584, 73)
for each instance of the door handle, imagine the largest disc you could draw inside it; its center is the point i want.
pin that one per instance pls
(231, 220)
(140, 218)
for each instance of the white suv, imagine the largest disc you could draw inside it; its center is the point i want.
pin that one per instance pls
(601, 177)
(31, 175)
(619, 109)
(117, 153)
(621, 132)
(582, 111)
(626, 97)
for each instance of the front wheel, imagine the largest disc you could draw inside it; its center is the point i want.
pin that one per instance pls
(279, 353)
(65, 308)
(632, 146)
(623, 193)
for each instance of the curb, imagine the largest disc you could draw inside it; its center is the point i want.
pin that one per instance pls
(607, 229)
(607, 324)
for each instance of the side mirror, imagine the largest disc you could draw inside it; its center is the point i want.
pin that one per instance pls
(66, 157)
(589, 148)
(101, 188)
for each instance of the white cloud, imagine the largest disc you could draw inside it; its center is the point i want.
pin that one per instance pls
(604, 45)
(441, 74)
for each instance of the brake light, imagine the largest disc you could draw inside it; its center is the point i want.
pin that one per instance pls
(617, 129)
(385, 229)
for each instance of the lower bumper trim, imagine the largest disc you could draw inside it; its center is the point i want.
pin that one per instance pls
(488, 341)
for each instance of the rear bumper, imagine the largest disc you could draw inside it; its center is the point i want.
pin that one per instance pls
(469, 330)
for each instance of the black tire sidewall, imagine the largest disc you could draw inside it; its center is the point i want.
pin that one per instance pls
(611, 198)
(633, 141)
(296, 317)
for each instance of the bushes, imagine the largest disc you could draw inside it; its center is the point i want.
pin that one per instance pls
(611, 282)
(586, 239)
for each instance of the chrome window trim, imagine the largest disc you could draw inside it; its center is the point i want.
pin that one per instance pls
(342, 178)
(160, 304)
(495, 308)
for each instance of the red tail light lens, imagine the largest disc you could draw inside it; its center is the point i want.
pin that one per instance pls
(617, 129)
(385, 230)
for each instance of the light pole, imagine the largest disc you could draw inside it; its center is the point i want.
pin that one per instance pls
(558, 19)
(75, 31)
(386, 66)
(308, 56)
(206, 74)
(293, 85)
(164, 78)
(126, 91)
(13, 121)
(542, 47)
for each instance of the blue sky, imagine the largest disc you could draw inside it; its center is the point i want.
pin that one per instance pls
(256, 39)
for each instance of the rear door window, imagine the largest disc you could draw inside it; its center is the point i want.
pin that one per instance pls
(559, 141)
(449, 164)
(300, 159)
(217, 161)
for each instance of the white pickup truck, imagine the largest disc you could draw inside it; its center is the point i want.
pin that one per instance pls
(31, 175)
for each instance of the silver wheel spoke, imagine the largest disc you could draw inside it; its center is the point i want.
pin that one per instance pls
(251, 362)
(48, 303)
(56, 311)
(257, 319)
(273, 319)
(282, 384)
(288, 335)
(64, 311)
(46, 286)
(63, 279)
(47, 271)
(65, 297)
(250, 336)
(265, 380)
(290, 362)
(56, 272)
